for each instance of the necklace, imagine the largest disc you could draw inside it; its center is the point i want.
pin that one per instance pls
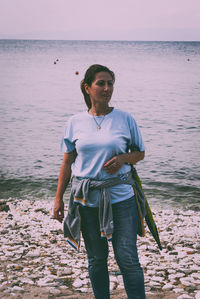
(99, 124)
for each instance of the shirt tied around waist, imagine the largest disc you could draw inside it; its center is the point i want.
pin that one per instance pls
(80, 196)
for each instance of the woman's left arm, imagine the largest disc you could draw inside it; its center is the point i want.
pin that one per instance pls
(114, 164)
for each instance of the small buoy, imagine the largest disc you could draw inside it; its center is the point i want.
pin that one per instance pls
(54, 62)
(57, 59)
(188, 59)
(76, 73)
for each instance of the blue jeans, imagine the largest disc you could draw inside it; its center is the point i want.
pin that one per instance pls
(124, 245)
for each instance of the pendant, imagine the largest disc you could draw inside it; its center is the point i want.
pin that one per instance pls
(98, 128)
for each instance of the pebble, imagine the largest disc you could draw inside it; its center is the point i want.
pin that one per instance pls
(83, 290)
(168, 287)
(184, 296)
(18, 289)
(197, 296)
(77, 283)
(54, 291)
(178, 290)
(35, 253)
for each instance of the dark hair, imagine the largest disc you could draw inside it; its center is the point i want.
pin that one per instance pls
(90, 77)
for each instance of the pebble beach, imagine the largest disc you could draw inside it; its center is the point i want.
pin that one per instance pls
(37, 262)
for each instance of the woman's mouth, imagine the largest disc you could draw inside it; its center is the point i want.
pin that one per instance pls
(106, 95)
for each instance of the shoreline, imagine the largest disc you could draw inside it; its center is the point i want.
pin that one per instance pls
(36, 260)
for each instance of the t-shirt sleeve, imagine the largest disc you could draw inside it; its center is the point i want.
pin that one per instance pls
(136, 143)
(68, 143)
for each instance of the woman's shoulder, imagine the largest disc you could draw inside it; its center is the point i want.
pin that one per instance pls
(78, 116)
(123, 113)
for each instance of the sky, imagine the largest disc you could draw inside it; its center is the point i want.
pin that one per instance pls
(100, 19)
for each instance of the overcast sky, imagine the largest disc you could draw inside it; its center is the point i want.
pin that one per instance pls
(100, 19)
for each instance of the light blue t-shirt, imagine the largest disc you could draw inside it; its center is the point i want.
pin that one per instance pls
(119, 133)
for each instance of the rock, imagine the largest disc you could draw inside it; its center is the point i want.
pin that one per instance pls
(171, 271)
(170, 247)
(77, 283)
(178, 290)
(63, 288)
(35, 253)
(18, 289)
(195, 275)
(42, 210)
(113, 279)
(197, 246)
(151, 272)
(197, 296)
(64, 272)
(84, 275)
(46, 282)
(7, 291)
(4, 208)
(167, 287)
(157, 279)
(83, 290)
(27, 281)
(154, 284)
(54, 291)
(4, 231)
(147, 289)
(187, 282)
(184, 296)
(112, 286)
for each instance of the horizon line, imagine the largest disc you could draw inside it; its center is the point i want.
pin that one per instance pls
(97, 40)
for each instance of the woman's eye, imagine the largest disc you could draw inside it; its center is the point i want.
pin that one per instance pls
(100, 83)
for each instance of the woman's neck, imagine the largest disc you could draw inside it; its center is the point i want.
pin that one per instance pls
(97, 111)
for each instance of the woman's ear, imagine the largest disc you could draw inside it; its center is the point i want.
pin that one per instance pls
(86, 86)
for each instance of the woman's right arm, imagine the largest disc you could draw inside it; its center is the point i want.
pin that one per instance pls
(63, 181)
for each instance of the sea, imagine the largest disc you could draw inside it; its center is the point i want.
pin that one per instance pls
(157, 82)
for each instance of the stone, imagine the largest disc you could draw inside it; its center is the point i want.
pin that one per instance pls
(178, 290)
(18, 289)
(151, 272)
(197, 295)
(195, 275)
(83, 290)
(112, 286)
(4, 207)
(184, 296)
(167, 287)
(35, 253)
(77, 283)
(54, 291)
(154, 284)
(187, 282)
(7, 291)
(84, 275)
(113, 279)
(197, 246)
(63, 288)
(64, 272)
(157, 279)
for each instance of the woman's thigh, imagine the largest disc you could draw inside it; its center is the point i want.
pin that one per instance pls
(125, 218)
(95, 245)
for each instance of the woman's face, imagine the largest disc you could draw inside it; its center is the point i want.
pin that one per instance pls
(101, 88)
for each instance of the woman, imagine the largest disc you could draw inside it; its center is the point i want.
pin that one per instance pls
(99, 148)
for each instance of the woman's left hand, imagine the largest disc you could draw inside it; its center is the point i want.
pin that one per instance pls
(114, 164)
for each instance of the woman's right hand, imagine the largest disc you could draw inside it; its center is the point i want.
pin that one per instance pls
(64, 178)
(58, 210)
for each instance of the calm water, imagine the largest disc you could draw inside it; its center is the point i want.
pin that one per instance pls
(158, 82)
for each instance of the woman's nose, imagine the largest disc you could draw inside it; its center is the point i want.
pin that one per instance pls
(106, 86)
